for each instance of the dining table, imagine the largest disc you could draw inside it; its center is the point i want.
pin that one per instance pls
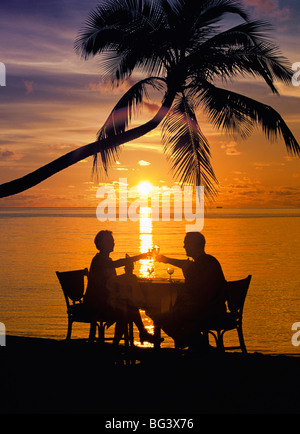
(159, 296)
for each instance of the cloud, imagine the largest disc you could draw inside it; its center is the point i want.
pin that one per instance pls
(151, 107)
(290, 158)
(61, 146)
(144, 163)
(291, 192)
(104, 86)
(28, 86)
(263, 165)
(144, 147)
(251, 193)
(99, 87)
(271, 8)
(10, 156)
(230, 148)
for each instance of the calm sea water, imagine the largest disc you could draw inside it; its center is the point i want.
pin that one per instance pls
(36, 242)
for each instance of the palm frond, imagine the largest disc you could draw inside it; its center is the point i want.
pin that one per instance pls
(120, 29)
(122, 112)
(187, 148)
(246, 34)
(212, 11)
(242, 50)
(233, 111)
(187, 22)
(206, 12)
(120, 117)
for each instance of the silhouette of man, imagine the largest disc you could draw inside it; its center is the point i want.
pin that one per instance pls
(202, 297)
(102, 280)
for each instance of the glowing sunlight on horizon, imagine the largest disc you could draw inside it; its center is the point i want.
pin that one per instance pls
(145, 188)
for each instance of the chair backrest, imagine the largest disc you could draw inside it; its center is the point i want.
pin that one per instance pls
(235, 292)
(72, 283)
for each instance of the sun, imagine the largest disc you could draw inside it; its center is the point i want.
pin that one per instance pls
(145, 188)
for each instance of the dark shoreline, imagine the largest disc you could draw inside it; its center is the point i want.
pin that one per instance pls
(45, 376)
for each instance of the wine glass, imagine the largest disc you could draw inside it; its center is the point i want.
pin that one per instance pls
(150, 271)
(170, 271)
(155, 251)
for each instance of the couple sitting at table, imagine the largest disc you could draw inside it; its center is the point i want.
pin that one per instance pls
(201, 298)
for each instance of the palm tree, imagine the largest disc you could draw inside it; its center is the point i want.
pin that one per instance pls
(180, 49)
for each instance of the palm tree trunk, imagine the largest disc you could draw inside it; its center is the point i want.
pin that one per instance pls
(67, 160)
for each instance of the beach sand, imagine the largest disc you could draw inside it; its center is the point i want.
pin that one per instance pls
(50, 376)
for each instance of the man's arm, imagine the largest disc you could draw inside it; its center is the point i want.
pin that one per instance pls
(180, 263)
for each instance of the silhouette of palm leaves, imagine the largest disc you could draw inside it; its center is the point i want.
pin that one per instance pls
(178, 45)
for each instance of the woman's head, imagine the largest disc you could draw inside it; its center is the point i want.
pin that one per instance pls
(104, 241)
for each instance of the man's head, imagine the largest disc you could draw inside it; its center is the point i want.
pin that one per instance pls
(104, 241)
(194, 244)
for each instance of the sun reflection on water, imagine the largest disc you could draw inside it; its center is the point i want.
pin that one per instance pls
(146, 265)
(146, 242)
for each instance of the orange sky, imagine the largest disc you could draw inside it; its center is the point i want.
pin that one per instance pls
(54, 102)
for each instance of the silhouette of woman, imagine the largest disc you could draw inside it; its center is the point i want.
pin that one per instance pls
(102, 275)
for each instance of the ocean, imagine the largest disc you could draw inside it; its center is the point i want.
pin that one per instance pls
(37, 242)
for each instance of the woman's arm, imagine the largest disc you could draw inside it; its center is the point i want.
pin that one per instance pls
(126, 261)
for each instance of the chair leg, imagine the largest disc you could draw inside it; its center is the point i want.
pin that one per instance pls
(69, 332)
(129, 345)
(130, 334)
(126, 337)
(242, 340)
(205, 338)
(220, 343)
(157, 334)
(101, 332)
(126, 345)
(92, 332)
